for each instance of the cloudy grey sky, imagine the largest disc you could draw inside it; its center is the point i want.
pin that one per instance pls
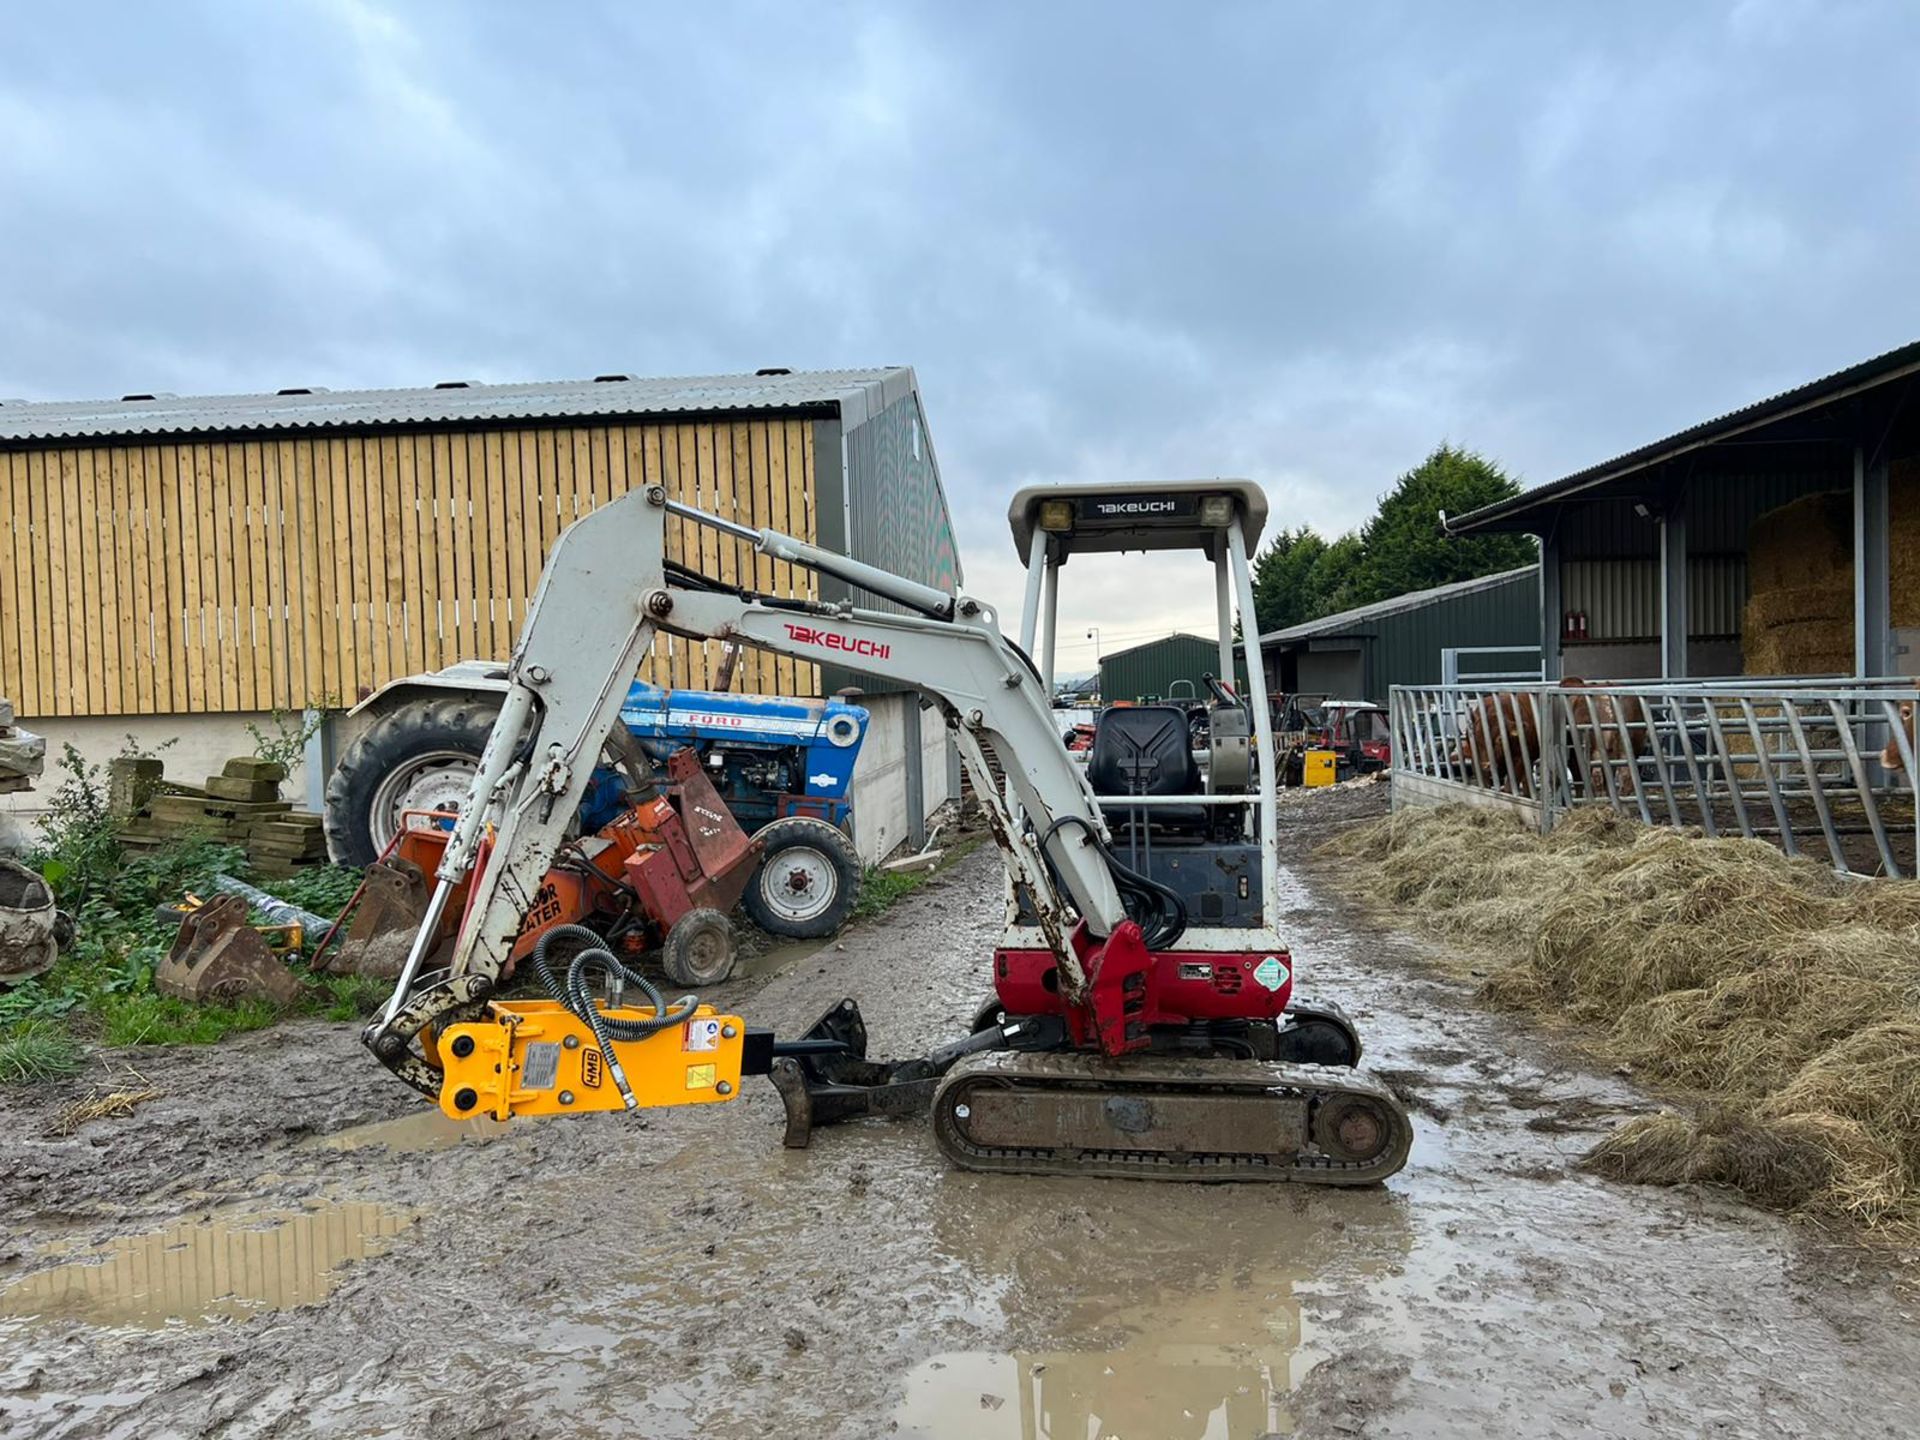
(1293, 242)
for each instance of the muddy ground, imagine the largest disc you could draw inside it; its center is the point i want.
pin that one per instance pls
(285, 1244)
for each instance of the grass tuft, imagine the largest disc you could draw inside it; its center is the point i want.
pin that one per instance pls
(32, 1051)
(350, 997)
(149, 1019)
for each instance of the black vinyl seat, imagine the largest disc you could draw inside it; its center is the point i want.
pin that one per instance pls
(1147, 750)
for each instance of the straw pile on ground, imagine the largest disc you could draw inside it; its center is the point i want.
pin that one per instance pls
(1786, 997)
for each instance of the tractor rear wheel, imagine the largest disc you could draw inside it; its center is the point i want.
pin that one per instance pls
(422, 756)
(699, 949)
(808, 879)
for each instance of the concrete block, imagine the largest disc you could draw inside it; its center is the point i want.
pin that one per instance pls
(227, 787)
(22, 753)
(131, 783)
(246, 767)
(928, 860)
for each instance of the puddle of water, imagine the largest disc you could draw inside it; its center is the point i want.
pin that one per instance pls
(1217, 1363)
(777, 957)
(422, 1130)
(234, 1262)
(1204, 1394)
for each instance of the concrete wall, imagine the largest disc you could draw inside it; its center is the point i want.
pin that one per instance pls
(881, 821)
(1640, 659)
(195, 746)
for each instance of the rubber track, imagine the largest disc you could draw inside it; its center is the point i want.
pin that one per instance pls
(1149, 1077)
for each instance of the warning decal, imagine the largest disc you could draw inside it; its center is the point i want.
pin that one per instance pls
(1271, 973)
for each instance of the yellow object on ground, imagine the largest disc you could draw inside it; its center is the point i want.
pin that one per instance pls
(534, 1057)
(1321, 767)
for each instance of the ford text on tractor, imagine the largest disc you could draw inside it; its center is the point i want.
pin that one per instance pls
(1142, 1022)
(782, 766)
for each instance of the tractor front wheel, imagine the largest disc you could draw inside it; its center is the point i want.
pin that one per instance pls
(808, 880)
(422, 756)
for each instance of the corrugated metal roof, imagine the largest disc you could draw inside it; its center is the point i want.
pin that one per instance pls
(1380, 609)
(1149, 644)
(857, 394)
(1893, 365)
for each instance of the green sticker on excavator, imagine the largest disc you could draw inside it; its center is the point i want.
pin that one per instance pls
(1271, 973)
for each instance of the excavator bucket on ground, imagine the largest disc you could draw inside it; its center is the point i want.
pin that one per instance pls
(384, 923)
(218, 955)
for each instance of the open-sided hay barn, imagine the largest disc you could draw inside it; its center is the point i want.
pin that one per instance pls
(1780, 539)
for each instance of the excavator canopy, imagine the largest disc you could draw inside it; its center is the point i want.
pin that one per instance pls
(1135, 515)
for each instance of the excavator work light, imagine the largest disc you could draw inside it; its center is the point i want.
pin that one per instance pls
(1216, 510)
(1056, 515)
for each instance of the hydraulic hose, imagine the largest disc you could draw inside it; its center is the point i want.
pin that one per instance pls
(577, 996)
(1157, 909)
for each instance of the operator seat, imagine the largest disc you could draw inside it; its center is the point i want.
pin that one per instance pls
(1147, 750)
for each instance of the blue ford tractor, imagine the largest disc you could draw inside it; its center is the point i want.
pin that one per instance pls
(783, 766)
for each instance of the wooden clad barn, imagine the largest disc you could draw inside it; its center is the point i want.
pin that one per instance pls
(238, 554)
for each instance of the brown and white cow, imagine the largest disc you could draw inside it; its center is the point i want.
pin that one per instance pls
(1610, 728)
(1891, 757)
(1500, 741)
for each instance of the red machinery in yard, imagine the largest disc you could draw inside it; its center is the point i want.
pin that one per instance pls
(664, 873)
(1358, 731)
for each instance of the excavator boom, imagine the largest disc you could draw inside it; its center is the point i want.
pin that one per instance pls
(606, 590)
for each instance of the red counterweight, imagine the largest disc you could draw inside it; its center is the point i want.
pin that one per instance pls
(1131, 988)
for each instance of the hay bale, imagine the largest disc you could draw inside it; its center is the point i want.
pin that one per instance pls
(1799, 613)
(1806, 542)
(1767, 608)
(1799, 647)
(1903, 541)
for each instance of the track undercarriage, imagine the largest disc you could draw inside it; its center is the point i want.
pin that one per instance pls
(1014, 1099)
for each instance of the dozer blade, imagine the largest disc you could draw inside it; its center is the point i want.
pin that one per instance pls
(389, 916)
(1162, 1119)
(219, 956)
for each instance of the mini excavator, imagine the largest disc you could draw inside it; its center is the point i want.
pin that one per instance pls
(1142, 1022)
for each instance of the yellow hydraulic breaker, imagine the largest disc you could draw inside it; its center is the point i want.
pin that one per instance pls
(535, 1057)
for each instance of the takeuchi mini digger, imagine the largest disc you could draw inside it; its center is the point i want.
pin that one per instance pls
(1143, 1021)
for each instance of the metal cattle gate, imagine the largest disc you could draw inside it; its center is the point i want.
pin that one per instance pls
(1820, 767)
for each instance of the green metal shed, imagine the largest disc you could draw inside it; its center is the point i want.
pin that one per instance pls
(1359, 654)
(1169, 668)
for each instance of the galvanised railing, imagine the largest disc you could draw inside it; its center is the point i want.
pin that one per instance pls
(1818, 766)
